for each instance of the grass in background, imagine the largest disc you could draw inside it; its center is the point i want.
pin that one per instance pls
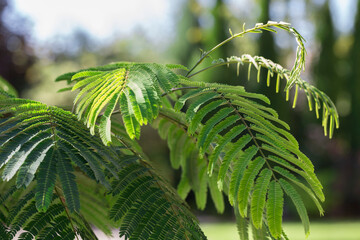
(318, 231)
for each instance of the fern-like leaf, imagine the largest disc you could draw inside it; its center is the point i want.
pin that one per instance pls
(243, 137)
(38, 140)
(46, 181)
(274, 209)
(136, 87)
(247, 183)
(258, 198)
(299, 204)
(147, 208)
(67, 179)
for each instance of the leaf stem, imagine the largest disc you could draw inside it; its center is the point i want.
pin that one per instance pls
(248, 128)
(66, 211)
(206, 54)
(177, 89)
(212, 66)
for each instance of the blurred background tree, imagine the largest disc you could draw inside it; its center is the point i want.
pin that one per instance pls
(16, 56)
(333, 44)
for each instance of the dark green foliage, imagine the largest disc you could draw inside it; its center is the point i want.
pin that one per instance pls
(143, 198)
(56, 221)
(62, 138)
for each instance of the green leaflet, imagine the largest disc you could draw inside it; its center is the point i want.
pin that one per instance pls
(126, 176)
(269, 127)
(176, 141)
(291, 177)
(105, 121)
(131, 125)
(230, 156)
(84, 74)
(262, 114)
(287, 156)
(251, 104)
(99, 103)
(210, 130)
(46, 181)
(202, 181)
(309, 177)
(147, 95)
(183, 188)
(20, 156)
(27, 170)
(176, 66)
(67, 179)
(299, 204)
(194, 107)
(243, 93)
(12, 147)
(199, 116)
(192, 168)
(274, 209)
(242, 225)
(84, 100)
(134, 107)
(180, 151)
(247, 183)
(228, 137)
(216, 194)
(258, 197)
(22, 217)
(239, 168)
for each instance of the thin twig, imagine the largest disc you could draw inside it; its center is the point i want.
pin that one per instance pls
(177, 89)
(66, 211)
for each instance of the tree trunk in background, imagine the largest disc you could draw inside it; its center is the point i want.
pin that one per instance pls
(266, 43)
(267, 49)
(351, 125)
(341, 153)
(15, 55)
(218, 33)
(189, 35)
(354, 87)
(325, 74)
